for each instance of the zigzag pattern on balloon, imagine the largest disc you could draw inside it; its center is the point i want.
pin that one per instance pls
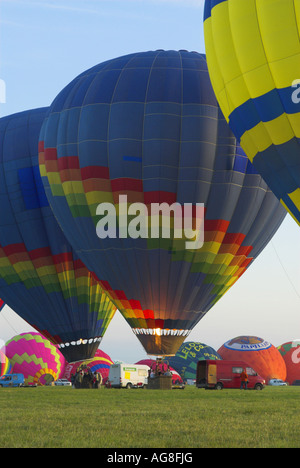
(36, 358)
(40, 345)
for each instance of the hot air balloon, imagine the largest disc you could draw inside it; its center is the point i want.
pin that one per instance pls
(34, 356)
(253, 52)
(186, 359)
(101, 362)
(142, 133)
(258, 353)
(290, 353)
(41, 277)
(5, 364)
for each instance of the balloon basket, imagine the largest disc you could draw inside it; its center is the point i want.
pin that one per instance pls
(160, 378)
(161, 382)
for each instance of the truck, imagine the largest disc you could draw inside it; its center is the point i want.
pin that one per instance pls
(128, 375)
(12, 380)
(221, 374)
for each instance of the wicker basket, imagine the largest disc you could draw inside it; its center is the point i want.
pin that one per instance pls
(161, 382)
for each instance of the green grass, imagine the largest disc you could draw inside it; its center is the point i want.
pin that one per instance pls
(64, 417)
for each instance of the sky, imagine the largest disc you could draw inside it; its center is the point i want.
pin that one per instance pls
(44, 44)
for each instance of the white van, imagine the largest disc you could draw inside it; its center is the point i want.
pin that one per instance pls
(128, 375)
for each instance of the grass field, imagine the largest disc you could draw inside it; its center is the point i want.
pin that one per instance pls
(64, 417)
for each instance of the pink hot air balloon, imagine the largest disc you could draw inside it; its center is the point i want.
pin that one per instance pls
(32, 355)
(100, 363)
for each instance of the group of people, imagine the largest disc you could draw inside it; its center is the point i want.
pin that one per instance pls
(86, 378)
(160, 368)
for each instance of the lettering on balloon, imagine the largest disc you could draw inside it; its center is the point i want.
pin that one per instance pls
(296, 356)
(296, 93)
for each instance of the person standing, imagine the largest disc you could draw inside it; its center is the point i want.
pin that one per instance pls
(244, 379)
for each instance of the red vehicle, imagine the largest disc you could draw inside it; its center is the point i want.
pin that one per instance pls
(226, 374)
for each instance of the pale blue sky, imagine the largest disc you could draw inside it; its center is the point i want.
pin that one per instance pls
(44, 44)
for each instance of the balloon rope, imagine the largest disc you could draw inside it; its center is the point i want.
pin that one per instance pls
(287, 275)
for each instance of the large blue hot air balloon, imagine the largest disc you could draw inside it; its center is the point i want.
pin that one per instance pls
(41, 277)
(148, 126)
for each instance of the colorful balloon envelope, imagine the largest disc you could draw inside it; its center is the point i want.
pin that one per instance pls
(146, 128)
(41, 277)
(5, 364)
(2, 304)
(34, 356)
(258, 353)
(187, 357)
(253, 52)
(290, 353)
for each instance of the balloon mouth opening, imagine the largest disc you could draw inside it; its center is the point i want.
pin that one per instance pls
(45, 377)
(82, 349)
(161, 342)
(81, 341)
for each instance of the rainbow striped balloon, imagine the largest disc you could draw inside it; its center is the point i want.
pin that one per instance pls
(5, 365)
(147, 128)
(32, 355)
(41, 277)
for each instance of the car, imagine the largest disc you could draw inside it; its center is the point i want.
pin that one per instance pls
(12, 380)
(62, 383)
(178, 384)
(277, 383)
